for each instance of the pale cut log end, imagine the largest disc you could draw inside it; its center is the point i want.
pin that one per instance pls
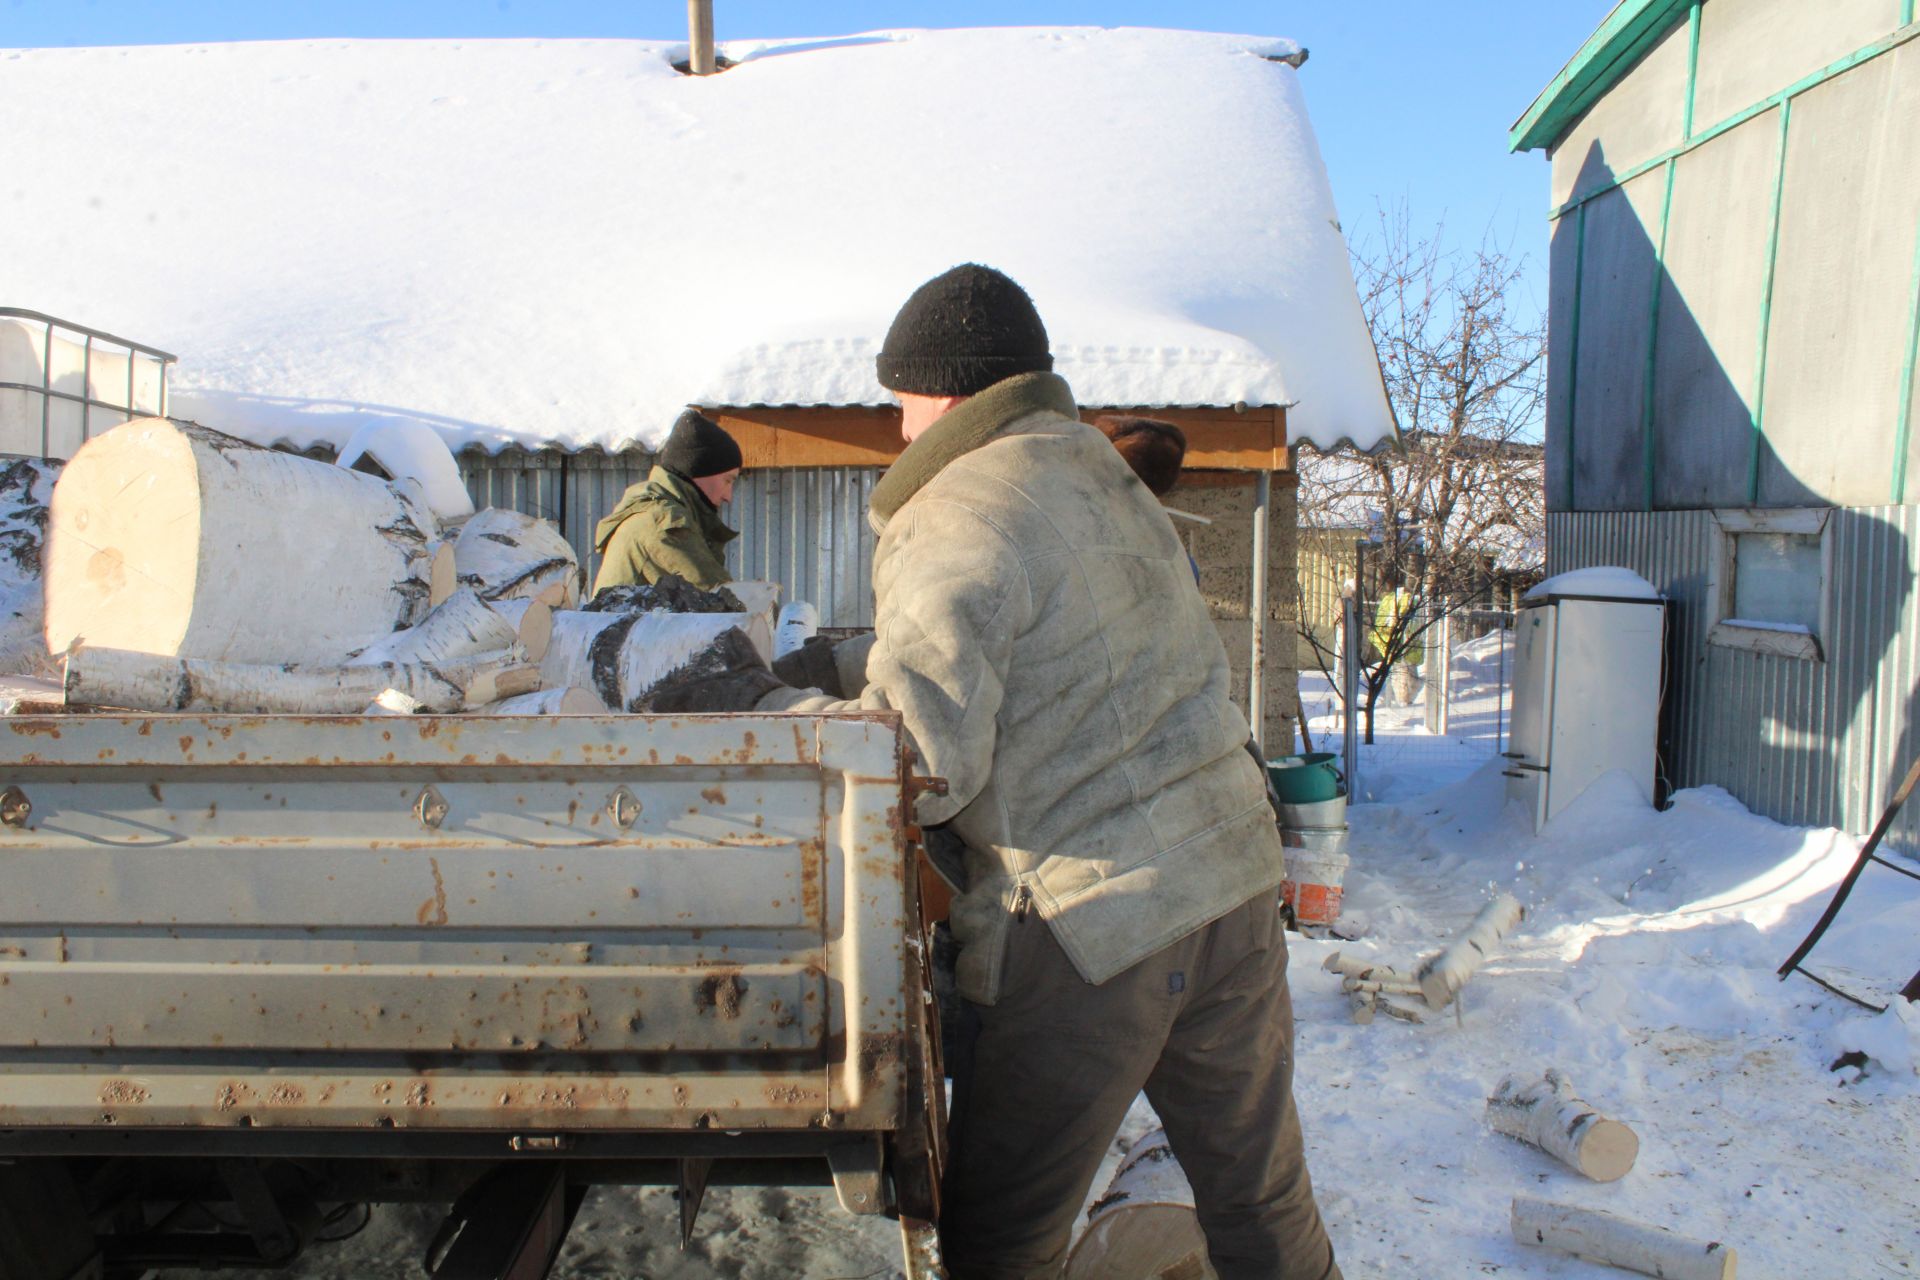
(1360, 1006)
(536, 629)
(1608, 1151)
(508, 682)
(443, 577)
(557, 595)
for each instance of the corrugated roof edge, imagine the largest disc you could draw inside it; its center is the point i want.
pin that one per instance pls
(1626, 33)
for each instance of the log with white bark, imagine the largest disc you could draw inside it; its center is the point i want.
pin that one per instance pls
(1145, 1224)
(620, 656)
(505, 555)
(757, 596)
(1618, 1242)
(1381, 988)
(547, 702)
(459, 627)
(797, 624)
(1441, 976)
(1548, 1114)
(532, 621)
(104, 677)
(1361, 1006)
(1399, 1011)
(169, 538)
(26, 486)
(1354, 967)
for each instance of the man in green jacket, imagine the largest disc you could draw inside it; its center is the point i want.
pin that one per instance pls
(1039, 630)
(671, 522)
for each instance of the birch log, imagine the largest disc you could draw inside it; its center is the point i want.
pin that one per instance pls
(1145, 1224)
(26, 486)
(169, 538)
(151, 682)
(620, 656)
(459, 627)
(1617, 1242)
(757, 597)
(1348, 967)
(532, 621)
(796, 625)
(1361, 1006)
(1441, 976)
(547, 702)
(504, 555)
(1549, 1115)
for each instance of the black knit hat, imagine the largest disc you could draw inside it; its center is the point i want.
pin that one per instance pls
(697, 447)
(960, 333)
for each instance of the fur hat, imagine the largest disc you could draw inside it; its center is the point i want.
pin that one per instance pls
(1153, 449)
(697, 446)
(960, 333)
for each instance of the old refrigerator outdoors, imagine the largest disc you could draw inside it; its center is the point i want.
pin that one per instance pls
(1587, 679)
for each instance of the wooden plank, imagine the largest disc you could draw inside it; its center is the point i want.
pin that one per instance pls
(1218, 438)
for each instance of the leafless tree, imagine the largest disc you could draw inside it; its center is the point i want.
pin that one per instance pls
(1464, 363)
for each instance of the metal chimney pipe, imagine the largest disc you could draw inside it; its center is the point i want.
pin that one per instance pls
(700, 36)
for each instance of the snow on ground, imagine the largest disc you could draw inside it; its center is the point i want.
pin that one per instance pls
(1644, 969)
(567, 240)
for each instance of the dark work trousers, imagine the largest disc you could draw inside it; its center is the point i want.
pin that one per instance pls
(1043, 1078)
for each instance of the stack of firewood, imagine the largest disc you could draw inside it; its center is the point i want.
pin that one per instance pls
(190, 571)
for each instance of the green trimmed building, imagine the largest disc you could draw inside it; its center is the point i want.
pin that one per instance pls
(1732, 402)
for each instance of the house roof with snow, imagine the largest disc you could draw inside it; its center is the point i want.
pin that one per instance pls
(534, 242)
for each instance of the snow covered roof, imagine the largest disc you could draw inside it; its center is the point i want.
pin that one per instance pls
(565, 241)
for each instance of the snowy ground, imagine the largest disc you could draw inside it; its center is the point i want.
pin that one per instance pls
(1644, 969)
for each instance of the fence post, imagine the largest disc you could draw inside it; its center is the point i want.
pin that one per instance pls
(1440, 690)
(1350, 693)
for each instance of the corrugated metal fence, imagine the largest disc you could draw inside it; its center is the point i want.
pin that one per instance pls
(1809, 743)
(804, 528)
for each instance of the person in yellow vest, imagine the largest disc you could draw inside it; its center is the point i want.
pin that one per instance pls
(1395, 623)
(670, 523)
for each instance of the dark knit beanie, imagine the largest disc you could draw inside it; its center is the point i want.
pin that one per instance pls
(960, 333)
(697, 447)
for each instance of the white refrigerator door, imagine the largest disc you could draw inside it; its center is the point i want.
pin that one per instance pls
(1529, 741)
(1606, 700)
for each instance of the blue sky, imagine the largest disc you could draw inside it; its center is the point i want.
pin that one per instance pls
(1411, 99)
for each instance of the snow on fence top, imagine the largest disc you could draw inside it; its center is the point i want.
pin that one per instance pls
(565, 241)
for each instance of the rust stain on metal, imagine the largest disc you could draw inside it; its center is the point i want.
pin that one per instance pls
(434, 909)
(186, 743)
(231, 1094)
(715, 794)
(721, 993)
(286, 1094)
(417, 1095)
(121, 1092)
(30, 727)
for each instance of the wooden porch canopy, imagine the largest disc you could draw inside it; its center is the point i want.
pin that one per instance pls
(1245, 438)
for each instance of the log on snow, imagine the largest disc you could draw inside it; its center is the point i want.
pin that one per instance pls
(104, 677)
(1383, 988)
(1548, 1114)
(506, 555)
(1361, 1006)
(1441, 976)
(1618, 1242)
(169, 538)
(458, 627)
(1353, 967)
(1145, 1224)
(620, 656)
(547, 702)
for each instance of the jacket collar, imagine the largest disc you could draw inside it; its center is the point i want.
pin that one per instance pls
(964, 428)
(688, 495)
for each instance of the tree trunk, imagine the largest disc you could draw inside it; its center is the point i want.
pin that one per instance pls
(458, 628)
(1549, 1115)
(505, 555)
(1441, 976)
(547, 702)
(168, 538)
(620, 656)
(1145, 1224)
(149, 682)
(1617, 1242)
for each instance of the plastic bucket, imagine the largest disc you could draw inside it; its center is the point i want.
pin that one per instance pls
(1315, 839)
(1306, 779)
(1320, 813)
(1312, 886)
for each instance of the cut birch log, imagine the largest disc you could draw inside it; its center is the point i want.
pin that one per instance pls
(26, 487)
(1382, 988)
(1399, 1011)
(104, 677)
(169, 538)
(459, 627)
(1549, 1115)
(757, 597)
(532, 622)
(392, 702)
(620, 656)
(1441, 976)
(504, 555)
(796, 625)
(547, 702)
(1145, 1225)
(1353, 967)
(1618, 1242)
(1361, 1006)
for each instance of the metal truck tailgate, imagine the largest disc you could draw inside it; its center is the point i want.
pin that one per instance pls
(464, 922)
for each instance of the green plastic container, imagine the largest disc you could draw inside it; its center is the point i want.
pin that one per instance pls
(1306, 779)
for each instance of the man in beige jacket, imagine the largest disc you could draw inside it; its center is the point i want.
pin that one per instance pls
(1039, 630)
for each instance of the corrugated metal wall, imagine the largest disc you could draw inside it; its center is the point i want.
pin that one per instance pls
(805, 529)
(1813, 743)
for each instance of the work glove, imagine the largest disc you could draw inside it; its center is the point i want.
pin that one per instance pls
(812, 666)
(728, 675)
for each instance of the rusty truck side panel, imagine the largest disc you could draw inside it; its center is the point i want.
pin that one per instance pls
(454, 923)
